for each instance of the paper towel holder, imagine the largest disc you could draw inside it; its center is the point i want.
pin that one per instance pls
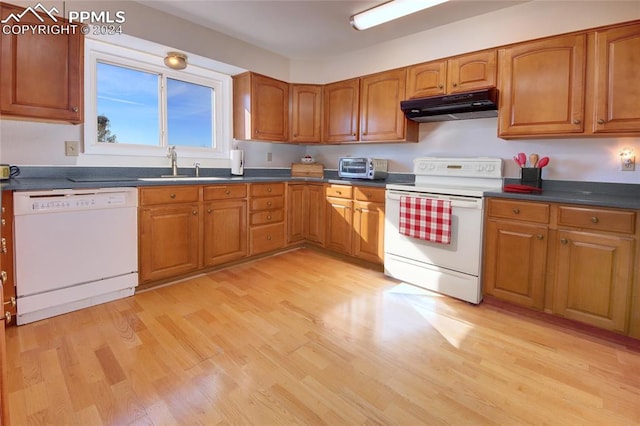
(237, 162)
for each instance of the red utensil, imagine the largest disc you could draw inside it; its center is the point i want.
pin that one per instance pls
(543, 162)
(522, 159)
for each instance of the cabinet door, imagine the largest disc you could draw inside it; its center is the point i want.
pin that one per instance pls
(225, 231)
(381, 118)
(169, 241)
(593, 279)
(42, 75)
(6, 252)
(427, 79)
(306, 113)
(542, 85)
(270, 106)
(617, 91)
(368, 224)
(341, 111)
(339, 224)
(472, 72)
(316, 213)
(297, 220)
(515, 262)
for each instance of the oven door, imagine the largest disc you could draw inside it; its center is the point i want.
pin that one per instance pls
(461, 255)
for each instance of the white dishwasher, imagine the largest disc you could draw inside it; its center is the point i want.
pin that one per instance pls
(74, 248)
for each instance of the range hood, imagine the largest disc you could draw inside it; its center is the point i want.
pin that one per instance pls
(461, 106)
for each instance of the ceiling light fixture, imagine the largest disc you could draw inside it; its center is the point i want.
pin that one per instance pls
(176, 60)
(389, 11)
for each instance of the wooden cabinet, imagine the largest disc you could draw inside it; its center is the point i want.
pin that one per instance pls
(594, 266)
(306, 113)
(381, 119)
(260, 108)
(573, 261)
(4, 388)
(305, 213)
(542, 87)
(339, 219)
(341, 106)
(266, 217)
(368, 224)
(6, 253)
(42, 74)
(463, 73)
(616, 66)
(224, 224)
(169, 231)
(515, 251)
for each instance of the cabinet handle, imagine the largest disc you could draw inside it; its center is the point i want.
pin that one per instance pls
(6, 317)
(209, 211)
(516, 211)
(368, 195)
(75, 109)
(269, 217)
(227, 192)
(195, 212)
(595, 219)
(440, 86)
(576, 121)
(269, 203)
(12, 301)
(540, 237)
(268, 237)
(455, 84)
(3, 246)
(4, 222)
(295, 135)
(269, 189)
(601, 121)
(339, 192)
(3, 277)
(564, 240)
(172, 195)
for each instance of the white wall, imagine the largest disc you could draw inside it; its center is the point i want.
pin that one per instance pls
(25, 143)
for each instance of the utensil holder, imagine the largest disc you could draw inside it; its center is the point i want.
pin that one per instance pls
(531, 176)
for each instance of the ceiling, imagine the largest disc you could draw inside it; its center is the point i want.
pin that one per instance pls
(299, 29)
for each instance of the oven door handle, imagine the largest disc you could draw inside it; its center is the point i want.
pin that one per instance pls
(458, 202)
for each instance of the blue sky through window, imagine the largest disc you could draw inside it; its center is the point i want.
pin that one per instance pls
(130, 100)
(189, 114)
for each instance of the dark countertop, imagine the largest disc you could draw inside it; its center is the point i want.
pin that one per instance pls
(618, 195)
(46, 178)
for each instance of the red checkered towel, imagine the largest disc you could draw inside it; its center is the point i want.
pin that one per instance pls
(426, 218)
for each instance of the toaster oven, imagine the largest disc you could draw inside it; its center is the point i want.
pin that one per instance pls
(362, 168)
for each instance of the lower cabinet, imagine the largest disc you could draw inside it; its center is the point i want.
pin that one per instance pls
(339, 219)
(305, 213)
(573, 261)
(224, 224)
(169, 241)
(266, 217)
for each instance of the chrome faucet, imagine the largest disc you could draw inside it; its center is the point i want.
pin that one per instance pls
(173, 155)
(197, 166)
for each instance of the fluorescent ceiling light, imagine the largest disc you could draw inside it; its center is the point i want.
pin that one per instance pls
(389, 11)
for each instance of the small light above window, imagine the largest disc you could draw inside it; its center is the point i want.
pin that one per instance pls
(176, 60)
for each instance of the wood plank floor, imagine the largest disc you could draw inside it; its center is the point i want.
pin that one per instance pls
(303, 338)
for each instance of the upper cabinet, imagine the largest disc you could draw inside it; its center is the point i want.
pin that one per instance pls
(306, 113)
(261, 108)
(41, 74)
(459, 74)
(616, 90)
(381, 118)
(341, 105)
(542, 87)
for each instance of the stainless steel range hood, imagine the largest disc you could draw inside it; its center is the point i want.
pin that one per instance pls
(460, 106)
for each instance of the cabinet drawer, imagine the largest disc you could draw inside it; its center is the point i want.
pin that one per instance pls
(600, 219)
(223, 192)
(369, 194)
(169, 194)
(339, 191)
(267, 216)
(266, 189)
(266, 238)
(267, 203)
(519, 210)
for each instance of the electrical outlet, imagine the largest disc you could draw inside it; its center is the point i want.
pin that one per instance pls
(71, 148)
(628, 164)
(269, 156)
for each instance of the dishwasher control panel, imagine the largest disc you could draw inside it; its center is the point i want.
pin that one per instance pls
(35, 202)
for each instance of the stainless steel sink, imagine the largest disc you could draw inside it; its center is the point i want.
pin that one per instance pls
(182, 178)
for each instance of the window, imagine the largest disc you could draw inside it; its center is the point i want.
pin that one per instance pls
(136, 106)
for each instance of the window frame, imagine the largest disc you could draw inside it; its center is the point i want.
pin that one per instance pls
(98, 51)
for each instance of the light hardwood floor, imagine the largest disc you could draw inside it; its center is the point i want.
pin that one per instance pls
(303, 338)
